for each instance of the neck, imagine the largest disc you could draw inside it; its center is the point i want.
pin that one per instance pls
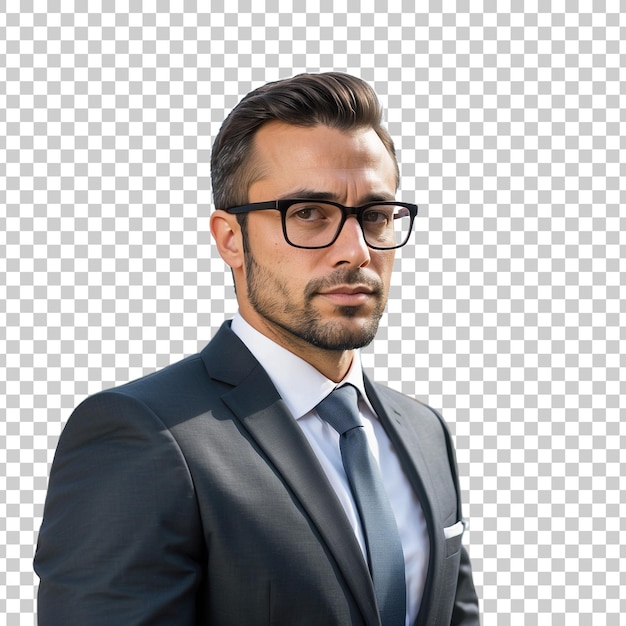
(334, 364)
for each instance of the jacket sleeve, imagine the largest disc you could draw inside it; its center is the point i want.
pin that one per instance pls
(121, 540)
(465, 611)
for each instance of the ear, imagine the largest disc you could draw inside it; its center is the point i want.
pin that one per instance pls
(227, 234)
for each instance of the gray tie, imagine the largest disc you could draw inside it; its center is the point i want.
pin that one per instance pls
(385, 557)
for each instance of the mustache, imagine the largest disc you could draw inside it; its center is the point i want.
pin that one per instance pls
(343, 277)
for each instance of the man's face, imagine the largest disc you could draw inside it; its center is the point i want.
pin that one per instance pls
(331, 298)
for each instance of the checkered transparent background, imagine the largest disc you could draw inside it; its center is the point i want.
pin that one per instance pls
(507, 311)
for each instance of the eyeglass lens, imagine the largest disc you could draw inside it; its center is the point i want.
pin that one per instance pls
(316, 224)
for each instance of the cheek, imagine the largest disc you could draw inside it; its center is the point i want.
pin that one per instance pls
(384, 265)
(265, 244)
(284, 263)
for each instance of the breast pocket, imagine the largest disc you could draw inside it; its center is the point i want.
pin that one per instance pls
(453, 536)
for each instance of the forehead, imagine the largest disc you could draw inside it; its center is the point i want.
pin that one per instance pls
(321, 157)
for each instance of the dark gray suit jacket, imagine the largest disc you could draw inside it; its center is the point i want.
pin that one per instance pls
(191, 497)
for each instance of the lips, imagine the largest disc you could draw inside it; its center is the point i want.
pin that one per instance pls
(348, 295)
(353, 286)
(349, 290)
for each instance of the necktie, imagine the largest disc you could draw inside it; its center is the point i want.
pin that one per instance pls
(385, 557)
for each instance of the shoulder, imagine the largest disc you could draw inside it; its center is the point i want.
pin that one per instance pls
(406, 405)
(176, 384)
(180, 375)
(415, 419)
(197, 378)
(151, 403)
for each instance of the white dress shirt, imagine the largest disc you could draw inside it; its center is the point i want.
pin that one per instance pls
(302, 388)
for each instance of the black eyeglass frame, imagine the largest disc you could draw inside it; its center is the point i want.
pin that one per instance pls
(283, 206)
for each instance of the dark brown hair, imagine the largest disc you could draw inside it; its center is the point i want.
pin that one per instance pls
(331, 99)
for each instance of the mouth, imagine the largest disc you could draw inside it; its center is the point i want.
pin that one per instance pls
(348, 295)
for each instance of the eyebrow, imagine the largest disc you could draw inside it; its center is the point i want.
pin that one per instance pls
(310, 194)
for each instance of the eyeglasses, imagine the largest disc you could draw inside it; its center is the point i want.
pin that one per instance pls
(313, 224)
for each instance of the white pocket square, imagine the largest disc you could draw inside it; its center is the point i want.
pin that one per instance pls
(454, 531)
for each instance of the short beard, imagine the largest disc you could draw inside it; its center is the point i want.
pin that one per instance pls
(270, 298)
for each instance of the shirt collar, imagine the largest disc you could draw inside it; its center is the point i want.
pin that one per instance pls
(299, 384)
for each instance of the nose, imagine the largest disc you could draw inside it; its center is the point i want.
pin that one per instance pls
(350, 247)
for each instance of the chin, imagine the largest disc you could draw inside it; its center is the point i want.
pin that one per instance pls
(341, 336)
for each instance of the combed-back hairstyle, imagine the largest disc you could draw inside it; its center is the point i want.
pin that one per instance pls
(331, 99)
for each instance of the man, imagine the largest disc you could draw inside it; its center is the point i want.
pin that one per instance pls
(218, 490)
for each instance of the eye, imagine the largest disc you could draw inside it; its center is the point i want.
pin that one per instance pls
(376, 216)
(308, 212)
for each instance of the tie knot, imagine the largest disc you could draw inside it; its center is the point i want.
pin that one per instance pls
(340, 409)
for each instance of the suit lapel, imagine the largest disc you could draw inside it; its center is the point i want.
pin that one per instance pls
(256, 403)
(414, 451)
(409, 444)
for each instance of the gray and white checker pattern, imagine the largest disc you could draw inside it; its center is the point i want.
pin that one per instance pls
(507, 311)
